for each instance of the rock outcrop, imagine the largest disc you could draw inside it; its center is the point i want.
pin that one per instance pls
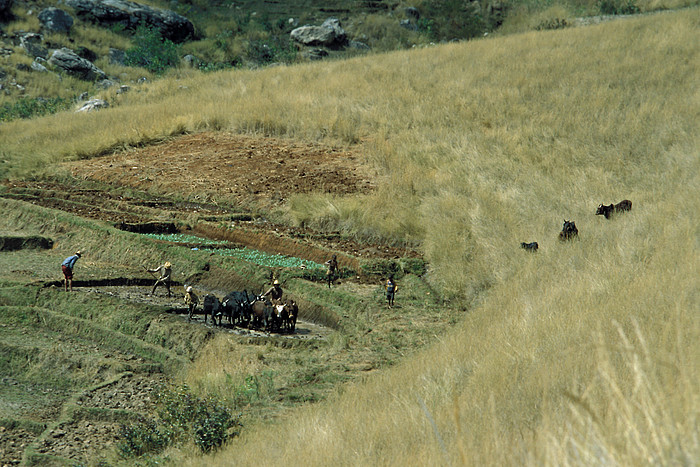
(71, 63)
(32, 44)
(130, 15)
(92, 105)
(330, 34)
(55, 20)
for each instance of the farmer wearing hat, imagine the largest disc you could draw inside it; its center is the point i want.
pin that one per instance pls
(191, 300)
(67, 268)
(275, 292)
(165, 275)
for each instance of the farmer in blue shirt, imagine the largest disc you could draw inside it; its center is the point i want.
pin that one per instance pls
(391, 289)
(67, 268)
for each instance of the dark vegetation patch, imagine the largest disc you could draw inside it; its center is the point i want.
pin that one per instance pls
(9, 243)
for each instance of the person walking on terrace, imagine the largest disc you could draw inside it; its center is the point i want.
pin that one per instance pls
(332, 265)
(166, 271)
(67, 267)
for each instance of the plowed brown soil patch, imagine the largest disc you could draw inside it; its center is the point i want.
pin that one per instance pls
(238, 168)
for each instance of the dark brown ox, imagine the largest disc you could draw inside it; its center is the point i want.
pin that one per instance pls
(609, 210)
(568, 231)
(264, 314)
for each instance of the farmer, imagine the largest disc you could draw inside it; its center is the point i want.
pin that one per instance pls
(165, 276)
(275, 292)
(67, 268)
(391, 289)
(191, 300)
(332, 265)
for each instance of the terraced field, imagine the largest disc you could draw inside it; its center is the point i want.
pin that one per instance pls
(77, 366)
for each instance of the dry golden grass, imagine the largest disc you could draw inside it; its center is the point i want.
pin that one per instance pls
(585, 353)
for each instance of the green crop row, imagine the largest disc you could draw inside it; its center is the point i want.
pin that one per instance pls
(269, 259)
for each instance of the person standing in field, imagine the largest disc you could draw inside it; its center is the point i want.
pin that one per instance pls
(391, 289)
(332, 265)
(191, 300)
(166, 271)
(67, 267)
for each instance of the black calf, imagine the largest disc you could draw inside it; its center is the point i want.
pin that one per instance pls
(532, 246)
(568, 231)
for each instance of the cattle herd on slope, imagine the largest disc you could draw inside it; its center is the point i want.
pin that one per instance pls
(569, 230)
(249, 311)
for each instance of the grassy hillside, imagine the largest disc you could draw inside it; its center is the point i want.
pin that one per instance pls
(254, 33)
(583, 353)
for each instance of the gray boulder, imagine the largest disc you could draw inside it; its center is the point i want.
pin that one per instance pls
(93, 104)
(31, 43)
(71, 63)
(412, 12)
(117, 56)
(38, 65)
(315, 54)
(406, 23)
(55, 20)
(357, 45)
(329, 34)
(130, 15)
(190, 61)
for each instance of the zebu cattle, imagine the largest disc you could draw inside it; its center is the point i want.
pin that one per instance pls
(236, 308)
(264, 314)
(210, 306)
(568, 231)
(293, 313)
(532, 246)
(282, 317)
(608, 211)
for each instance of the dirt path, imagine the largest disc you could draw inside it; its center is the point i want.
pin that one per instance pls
(304, 329)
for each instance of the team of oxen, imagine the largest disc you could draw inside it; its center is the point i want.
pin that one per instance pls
(249, 311)
(569, 230)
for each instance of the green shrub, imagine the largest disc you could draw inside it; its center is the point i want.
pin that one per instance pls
(381, 267)
(552, 23)
(618, 7)
(271, 50)
(415, 266)
(28, 107)
(152, 52)
(180, 416)
(142, 438)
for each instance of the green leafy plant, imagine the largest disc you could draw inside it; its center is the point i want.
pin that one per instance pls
(152, 51)
(618, 7)
(552, 23)
(181, 415)
(381, 267)
(271, 50)
(33, 107)
(141, 438)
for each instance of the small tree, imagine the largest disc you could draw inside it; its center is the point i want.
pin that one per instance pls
(151, 51)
